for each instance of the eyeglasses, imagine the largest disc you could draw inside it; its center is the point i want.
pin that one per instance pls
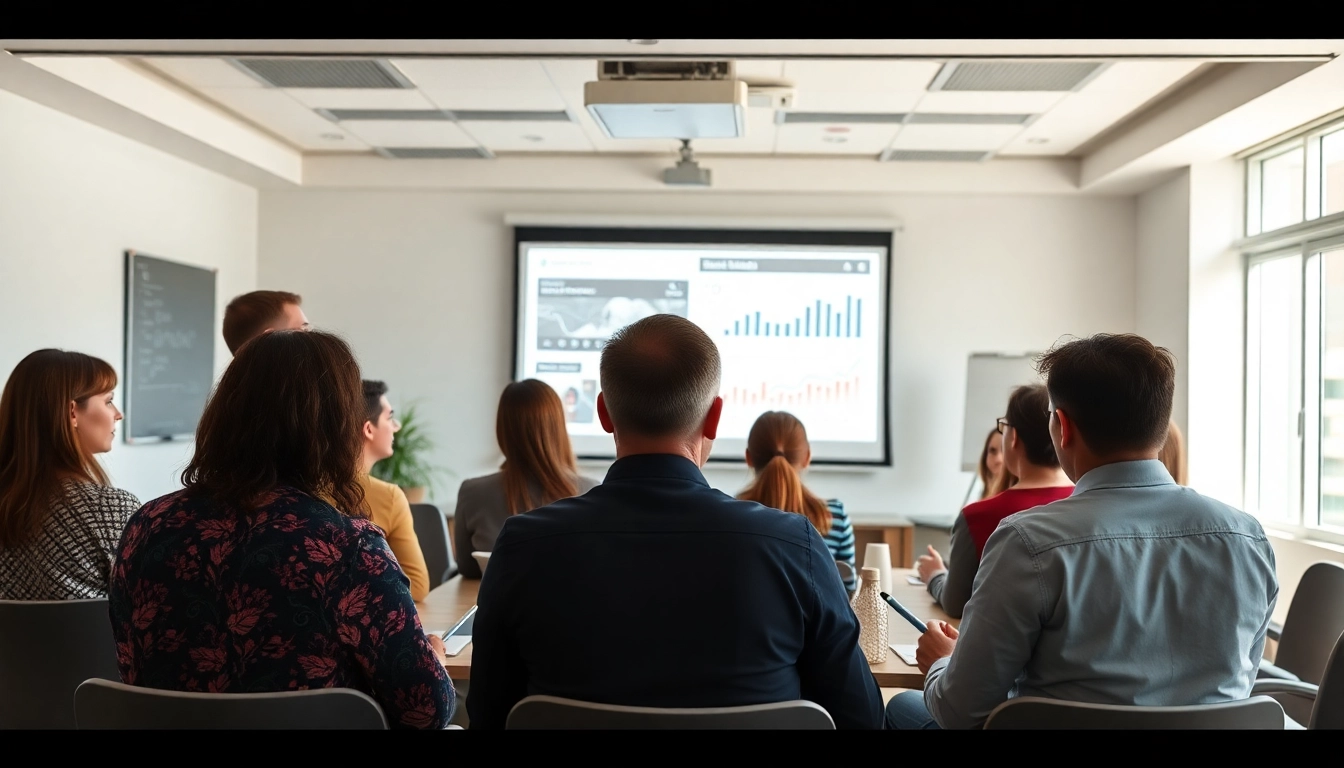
(1001, 425)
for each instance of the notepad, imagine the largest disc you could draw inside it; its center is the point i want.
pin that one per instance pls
(906, 652)
(454, 644)
(914, 581)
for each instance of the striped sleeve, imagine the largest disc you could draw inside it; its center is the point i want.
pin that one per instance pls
(840, 540)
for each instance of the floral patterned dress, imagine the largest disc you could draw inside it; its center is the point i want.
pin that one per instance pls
(292, 595)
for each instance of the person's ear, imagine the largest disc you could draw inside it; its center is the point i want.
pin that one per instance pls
(74, 411)
(602, 416)
(369, 430)
(1067, 432)
(711, 427)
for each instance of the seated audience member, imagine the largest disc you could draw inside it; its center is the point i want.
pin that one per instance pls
(1172, 454)
(777, 451)
(252, 314)
(994, 476)
(538, 469)
(1030, 456)
(59, 519)
(388, 507)
(654, 589)
(1133, 591)
(246, 580)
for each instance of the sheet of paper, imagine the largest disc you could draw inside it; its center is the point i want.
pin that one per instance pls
(456, 643)
(914, 581)
(906, 652)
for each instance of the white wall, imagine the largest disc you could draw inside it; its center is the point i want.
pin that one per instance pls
(421, 283)
(73, 198)
(1162, 282)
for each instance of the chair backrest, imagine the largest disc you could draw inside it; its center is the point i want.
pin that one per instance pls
(47, 648)
(555, 713)
(102, 704)
(1328, 712)
(432, 530)
(846, 572)
(1314, 622)
(1034, 713)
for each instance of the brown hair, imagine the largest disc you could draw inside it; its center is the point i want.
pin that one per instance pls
(1173, 454)
(776, 446)
(1029, 416)
(288, 411)
(373, 400)
(996, 484)
(250, 314)
(38, 444)
(659, 376)
(530, 428)
(1117, 388)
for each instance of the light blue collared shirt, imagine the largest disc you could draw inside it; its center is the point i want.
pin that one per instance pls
(1133, 591)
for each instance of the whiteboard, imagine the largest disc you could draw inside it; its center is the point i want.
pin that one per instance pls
(990, 379)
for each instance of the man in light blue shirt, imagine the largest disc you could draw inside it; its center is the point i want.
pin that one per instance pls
(1132, 591)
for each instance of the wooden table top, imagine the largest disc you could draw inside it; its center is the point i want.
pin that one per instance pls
(447, 602)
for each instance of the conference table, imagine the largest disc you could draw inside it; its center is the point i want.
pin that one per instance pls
(446, 603)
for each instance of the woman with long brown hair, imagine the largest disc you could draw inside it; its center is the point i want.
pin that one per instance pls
(59, 518)
(777, 452)
(994, 476)
(263, 574)
(538, 469)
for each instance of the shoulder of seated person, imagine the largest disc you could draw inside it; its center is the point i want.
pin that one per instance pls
(484, 482)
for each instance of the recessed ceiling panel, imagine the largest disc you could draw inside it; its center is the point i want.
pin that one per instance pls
(475, 74)
(203, 73)
(824, 139)
(496, 98)
(405, 133)
(959, 137)
(276, 112)
(512, 136)
(989, 101)
(1059, 76)
(358, 98)
(814, 100)
(874, 76)
(324, 73)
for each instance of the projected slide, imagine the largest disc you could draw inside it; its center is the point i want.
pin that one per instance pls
(799, 328)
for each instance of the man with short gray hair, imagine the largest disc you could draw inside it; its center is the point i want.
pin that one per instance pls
(654, 589)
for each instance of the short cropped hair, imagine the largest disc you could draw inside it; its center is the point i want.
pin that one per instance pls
(373, 403)
(1029, 415)
(659, 376)
(250, 314)
(1117, 388)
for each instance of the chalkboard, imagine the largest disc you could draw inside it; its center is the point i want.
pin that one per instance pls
(990, 379)
(170, 347)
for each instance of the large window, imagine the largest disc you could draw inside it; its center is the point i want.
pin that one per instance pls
(1295, 334)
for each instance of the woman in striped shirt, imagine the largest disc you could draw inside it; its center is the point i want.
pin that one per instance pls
(778, 451)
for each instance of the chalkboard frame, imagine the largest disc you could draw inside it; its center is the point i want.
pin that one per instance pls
(128, 348)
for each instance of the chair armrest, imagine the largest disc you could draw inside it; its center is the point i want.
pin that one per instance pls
(1275, 631)
(1270, 671)
(1290, 687)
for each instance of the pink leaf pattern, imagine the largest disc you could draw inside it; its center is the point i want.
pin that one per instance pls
(288, 596)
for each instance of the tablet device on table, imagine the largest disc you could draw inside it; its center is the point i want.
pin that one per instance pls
(457, 638)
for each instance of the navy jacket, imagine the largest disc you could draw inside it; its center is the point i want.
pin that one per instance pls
(655, 590)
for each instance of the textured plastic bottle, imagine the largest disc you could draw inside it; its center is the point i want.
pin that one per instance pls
(872, 612)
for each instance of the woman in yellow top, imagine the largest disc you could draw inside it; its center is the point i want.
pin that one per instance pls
(388, 507)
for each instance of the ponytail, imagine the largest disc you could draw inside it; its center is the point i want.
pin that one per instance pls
(778, 485)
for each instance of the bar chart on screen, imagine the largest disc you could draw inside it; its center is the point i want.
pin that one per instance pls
(817, 319)
(837, 392)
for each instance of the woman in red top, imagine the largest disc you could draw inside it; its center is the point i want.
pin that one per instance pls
(1029, 454)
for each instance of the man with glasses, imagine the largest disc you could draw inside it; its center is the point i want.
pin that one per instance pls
(1132, 591)
(388, 507)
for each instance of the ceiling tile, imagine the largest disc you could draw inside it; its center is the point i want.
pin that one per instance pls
(855, 101)
(989, 102)
(360, 98)
(879, 76)
(571, 74)
(203, 73)
(500, 98)
(986, 137)
(1151, 77)
(409, 133)
(278, 113)
(760, 138)
(753, 70)
(515, 136)
(475, 74)
(823, 139)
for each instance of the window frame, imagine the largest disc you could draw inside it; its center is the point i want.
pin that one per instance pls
(1313, 180)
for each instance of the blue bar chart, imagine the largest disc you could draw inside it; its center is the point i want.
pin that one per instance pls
(819, 319)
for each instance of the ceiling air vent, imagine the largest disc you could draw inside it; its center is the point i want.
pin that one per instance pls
(940, 118)
(665, 70)
(559, 116)
(337, 115)
(839, 117)
(324, 73)
(933, 155)
(1015, 75)
(435, 153)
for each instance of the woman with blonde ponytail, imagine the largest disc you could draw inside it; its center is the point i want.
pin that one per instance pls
(778, 451)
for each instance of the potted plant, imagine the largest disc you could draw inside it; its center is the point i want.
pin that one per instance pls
(409, 466)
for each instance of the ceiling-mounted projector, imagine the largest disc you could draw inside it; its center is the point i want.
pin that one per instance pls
(668, 100)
